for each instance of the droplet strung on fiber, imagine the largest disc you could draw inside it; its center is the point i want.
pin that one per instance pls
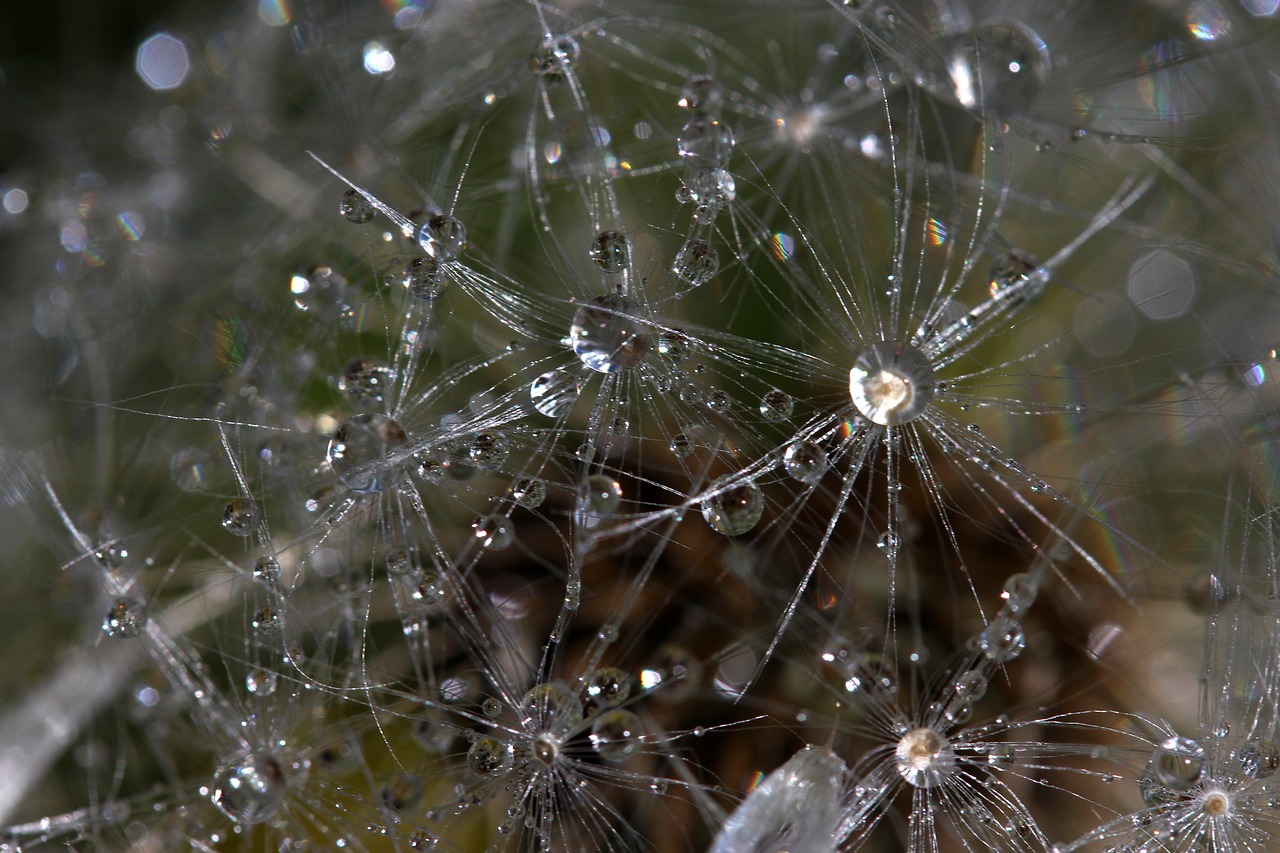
(554, 393)
(606, 336)
(734, 508)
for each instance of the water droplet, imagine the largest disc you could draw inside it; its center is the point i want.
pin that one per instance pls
(804, 461)
(717, 401)
(682, 446)
(889, 544)
(493, 532)
(675, 345)
(365, 452)
(606, 337)
(266, 569)
(261, 682)
(797, 807)
(529, 492)
(701, 95)
(615, 734)
(610, 251)
(554, 393)
(366, 380)
(735, 507)
(705, 143)
(696, 263)
(424, 278)
(250, 789)
(241, 516)
(323, 291)
(489, 450)
(776, 406)
(891, 383)
(601, 495)
(266, 620)
(443, 237)
(1002, 640)
(924, 758)
(1259, 758)
(492, 708)
(125, 618)
(711, 190)
(355, 207)
(1174, 768)
(1000, 67)
(609, 686)
(1019, 592)
(555, 57)
(1017, 278)
(551, 708)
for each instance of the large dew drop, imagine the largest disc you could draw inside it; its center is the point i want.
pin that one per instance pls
(606, 336)
(891, 383)
(250, 789)
(1000, 67)
(554, 393)
(365, 452)
(924, 758)
(733, 509)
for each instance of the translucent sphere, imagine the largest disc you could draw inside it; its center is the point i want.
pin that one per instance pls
(924, 758)
(804, 461)
(1002, 640)
(1259, 758)
(424, 278)
(891, 383)
(443, 237)
(125, 618)
(366, 380)
(776, 406)
(250, 789)
(1000, 67)
(365, 452)
(551, 708)
(1174, 768)
(555, 57)
(1017, 278)
(554, 393)
(697, 262)
(354, 207)
(529, 492)
(615, 734)
(606, 336)
(609, 686)
(610, 252)
(733, 509)
(490, 758)
(705, 143)
(240, 517)
(701, 95)
(601, 495)
(494, 532)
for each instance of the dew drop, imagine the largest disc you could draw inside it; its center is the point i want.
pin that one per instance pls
(601, 495)
(610, 251)
(615, 734)
(365, 452)
(1002, 640)
(493, 532)
(443, 237)
(891, 383)
(424, 278)
(705, 143)
(261, 682)
(1017, 278)
(1259, 759)
(700, 95)
(488, 450)
(735, 507)
(609, 686)
(717, 401)
(924, 758)
(125, 618)
(999, 67)
(250, 789)
(675, 345)
(696, 263)
(554, 393)
(490, 758)
(240, 517)
(529, 492)
(682, 446)
(776, 406)
(605, 335)
(366, 380)
(804, 461)
(355, 207)
(555, 57)
(1174, 768)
